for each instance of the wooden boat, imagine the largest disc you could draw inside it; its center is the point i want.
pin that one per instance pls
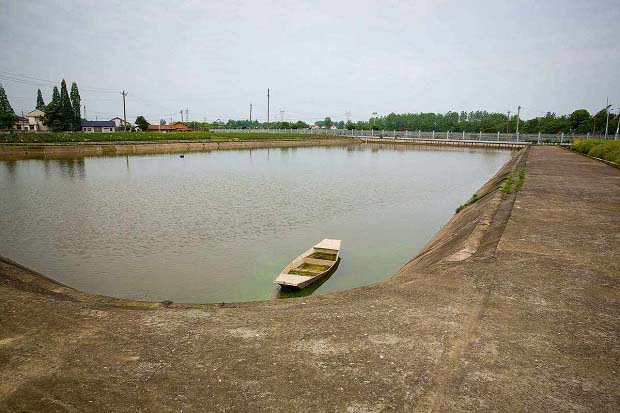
(311, 266)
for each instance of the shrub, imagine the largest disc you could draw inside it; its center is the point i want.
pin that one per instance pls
(609, 151)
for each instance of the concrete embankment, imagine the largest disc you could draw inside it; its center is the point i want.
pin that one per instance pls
(512, 306)
(51, 150)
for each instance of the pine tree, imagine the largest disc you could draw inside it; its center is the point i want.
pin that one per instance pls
(76, 104)
(7, 114)
(40, 103)
(56, 95)
(53, 113)
(66, 110)
(5, 105)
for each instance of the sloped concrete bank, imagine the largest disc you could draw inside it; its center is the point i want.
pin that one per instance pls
(512, 306)
(51, 150)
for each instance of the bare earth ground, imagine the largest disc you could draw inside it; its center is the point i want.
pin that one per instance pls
(529, 322)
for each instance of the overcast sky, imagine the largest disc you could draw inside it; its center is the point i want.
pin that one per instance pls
(319, 58)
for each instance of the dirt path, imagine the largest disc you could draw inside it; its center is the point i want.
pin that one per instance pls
(528, 322)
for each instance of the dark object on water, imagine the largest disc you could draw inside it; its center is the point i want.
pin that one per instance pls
(182, 156)
(166, 303)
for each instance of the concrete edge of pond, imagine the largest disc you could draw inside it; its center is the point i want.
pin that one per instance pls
(11, 151)
(467, 230)
(527, 323)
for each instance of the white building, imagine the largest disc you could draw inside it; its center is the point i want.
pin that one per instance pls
(98, 126)
(35, 121)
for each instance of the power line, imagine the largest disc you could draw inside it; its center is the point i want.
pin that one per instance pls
(35, 81)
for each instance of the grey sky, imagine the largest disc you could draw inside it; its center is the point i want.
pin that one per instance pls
(320, 58)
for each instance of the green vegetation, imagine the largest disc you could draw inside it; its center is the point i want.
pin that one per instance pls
(507, 188)
(599, 148)
(474, 198)
(63, 113)
(148, 136)
(580, 122)
(7, 114)
(309, 269)
(142, 123)
(40, 103)
(323, 256)
(521, 179)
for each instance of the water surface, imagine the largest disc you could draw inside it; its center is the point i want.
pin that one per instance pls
(219, 226)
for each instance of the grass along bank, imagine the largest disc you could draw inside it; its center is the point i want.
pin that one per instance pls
(147, 137)
(507, 188)
(608, 150)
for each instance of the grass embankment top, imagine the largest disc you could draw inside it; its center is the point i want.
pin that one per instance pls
(149, 137)
(608, 150)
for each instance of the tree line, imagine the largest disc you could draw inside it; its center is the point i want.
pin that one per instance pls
(63, 113)
(580, 121)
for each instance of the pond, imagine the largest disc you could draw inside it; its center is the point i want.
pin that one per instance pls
(219, 226)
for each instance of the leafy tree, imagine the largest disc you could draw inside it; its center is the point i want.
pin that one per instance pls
(328, 122)
(40, 103)
(578, 117)
(599, 121)
(162, 122)
(76, 104)
(142, 123)
(7, 114)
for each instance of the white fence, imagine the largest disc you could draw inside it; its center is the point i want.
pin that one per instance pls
(395, 134)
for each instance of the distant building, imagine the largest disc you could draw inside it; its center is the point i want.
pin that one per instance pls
(98, 126)
(118, 122)
(22, 124)
(35, 121)
(173, 127)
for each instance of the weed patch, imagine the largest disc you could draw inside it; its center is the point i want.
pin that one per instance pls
(599, 148)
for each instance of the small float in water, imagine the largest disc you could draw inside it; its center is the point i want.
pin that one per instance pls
(311, 266)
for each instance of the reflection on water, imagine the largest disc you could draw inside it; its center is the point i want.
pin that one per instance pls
(219, 226)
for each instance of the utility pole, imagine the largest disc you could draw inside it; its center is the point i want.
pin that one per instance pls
(281, 115)
(85, 117)
(186, 114)
(518, 113)
(508, 122)
(617, 125)
(124, 110)
(267, 107)
(181, 111)
(607, 121)
(250, 114)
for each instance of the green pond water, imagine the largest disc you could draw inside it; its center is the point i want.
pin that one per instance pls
(219, 226)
